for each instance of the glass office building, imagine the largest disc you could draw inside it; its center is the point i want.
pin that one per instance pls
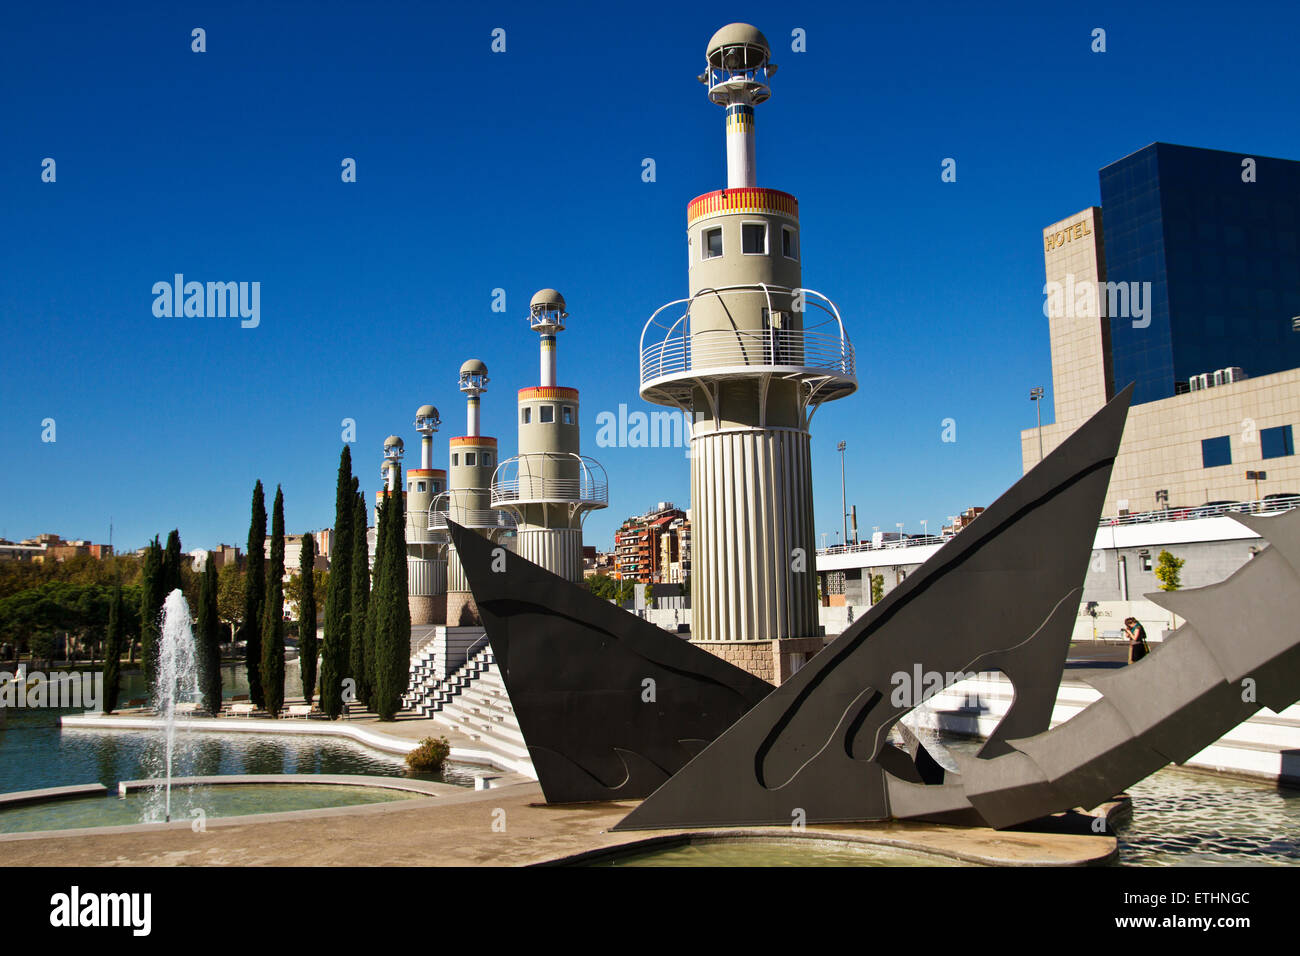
(1222, 258)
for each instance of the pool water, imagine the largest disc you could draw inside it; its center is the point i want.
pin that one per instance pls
(759, 852)
(226, 800)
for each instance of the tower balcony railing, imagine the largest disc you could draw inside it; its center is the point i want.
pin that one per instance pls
(818, 352)
(533, 479)
(457, 505)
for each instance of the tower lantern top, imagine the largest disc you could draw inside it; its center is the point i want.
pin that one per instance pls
(473, 377)
(546, 311)
(394, 447)
(738, 65)
(427, 419)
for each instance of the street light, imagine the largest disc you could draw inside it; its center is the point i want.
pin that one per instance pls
(899, 526)
(844, 509)
(1036, 396)
(925, 528)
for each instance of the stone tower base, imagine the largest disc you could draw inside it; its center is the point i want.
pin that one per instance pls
(773, 661)
(427, 609)
(461, 610)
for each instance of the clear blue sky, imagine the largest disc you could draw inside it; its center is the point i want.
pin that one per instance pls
(522, 170)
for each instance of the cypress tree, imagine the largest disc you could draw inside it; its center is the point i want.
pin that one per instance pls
(209, 639)
(358, 650)
(338, 597)
(172, 563)
(375, 608)
(273, 615)
(250, 628)
(151, 602)
(113, 650)
(393, 627)
(307, 649)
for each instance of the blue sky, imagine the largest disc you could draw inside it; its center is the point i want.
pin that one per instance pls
(520, 170)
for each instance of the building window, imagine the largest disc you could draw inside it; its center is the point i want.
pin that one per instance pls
(527, 414)
(568, 414)
(419, 486)
(1145, 560)
(753, 238)
(487, 459)
(1276, 442)
(548, 414)
(1215, 452)
(711, 247)
(455, 458)
(789, 243)
(469, 458)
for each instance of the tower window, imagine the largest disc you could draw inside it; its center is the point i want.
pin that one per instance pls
(487, 459)
(753, 238)
(789, 243)
(711, 247)
(419, 486)
(455, 458)
(1276, 442)
(1215, 452)
(527, 414)
(547, 414)
(469, 458)
(568, 414)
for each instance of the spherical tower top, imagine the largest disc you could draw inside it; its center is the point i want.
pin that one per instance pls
(738, 46)
(427, 418)
(737, 70)
(546, 312)
(473, 377)
(394, 447)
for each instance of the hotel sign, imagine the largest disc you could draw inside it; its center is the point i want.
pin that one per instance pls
(1078, 230)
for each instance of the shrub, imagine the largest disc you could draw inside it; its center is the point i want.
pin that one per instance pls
(429, 756)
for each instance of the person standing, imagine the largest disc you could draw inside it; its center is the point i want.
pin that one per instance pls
(1137, 640)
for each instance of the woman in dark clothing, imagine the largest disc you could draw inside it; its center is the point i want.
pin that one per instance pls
(1137, 640)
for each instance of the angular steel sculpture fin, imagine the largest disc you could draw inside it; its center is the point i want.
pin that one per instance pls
(1003, 593)
(610, 705)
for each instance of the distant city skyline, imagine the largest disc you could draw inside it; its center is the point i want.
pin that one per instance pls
(479, 171)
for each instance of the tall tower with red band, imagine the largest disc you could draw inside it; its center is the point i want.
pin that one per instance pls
(749, 355)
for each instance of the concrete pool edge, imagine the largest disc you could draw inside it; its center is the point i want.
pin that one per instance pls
(364, 735)
(22, 798)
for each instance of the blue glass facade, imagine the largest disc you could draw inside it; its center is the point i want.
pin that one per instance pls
(1222, 259)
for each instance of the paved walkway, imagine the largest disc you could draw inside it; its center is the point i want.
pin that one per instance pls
(506, 827)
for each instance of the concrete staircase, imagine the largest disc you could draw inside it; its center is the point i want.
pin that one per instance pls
(1265, 746)
(473, 702)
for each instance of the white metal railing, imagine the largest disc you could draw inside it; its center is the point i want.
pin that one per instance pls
(823, 346)
(514, 480)
(1263, 506)
(455, 504)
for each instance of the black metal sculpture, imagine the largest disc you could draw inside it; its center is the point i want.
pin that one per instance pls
(815, 749)
(1002, 594)
(610, 706)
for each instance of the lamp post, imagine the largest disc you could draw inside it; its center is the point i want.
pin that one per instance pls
(1036, 396)
(899, 526)
(925, 531)
(844, 509)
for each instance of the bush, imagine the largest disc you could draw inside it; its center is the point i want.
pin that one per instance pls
(429, 756)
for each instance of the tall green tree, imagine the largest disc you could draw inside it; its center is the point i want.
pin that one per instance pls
(1169, 571)
(209, 638)
(358, 649)
(307, 649)
(393, 628)
(151, 603)
(338, 599)
(113, 651)
(374, 608)
(250, 629)
(273, 615)
(172, 563)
